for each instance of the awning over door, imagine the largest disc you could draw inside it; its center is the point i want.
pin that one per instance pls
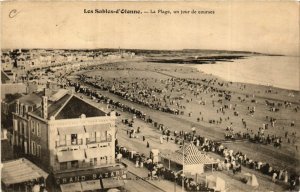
(112, 183)
(90, 185)
(71, 187)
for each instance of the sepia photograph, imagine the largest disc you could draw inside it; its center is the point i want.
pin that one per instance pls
(149, 96)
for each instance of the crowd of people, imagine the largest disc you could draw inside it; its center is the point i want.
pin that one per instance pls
(173, 95)
(156, 98)
(158, 171)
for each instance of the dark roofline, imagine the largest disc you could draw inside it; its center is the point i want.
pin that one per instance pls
(89, 103)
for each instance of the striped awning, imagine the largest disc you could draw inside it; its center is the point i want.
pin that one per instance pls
(97, 152)
(65, 156)
(191, 154)
(71, 187)
(70, 130)
(97, 127)
(19, 171)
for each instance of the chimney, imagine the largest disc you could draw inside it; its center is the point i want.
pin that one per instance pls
(47, 92)
(45, 107)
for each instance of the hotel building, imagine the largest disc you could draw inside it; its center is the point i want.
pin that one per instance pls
(68, 137)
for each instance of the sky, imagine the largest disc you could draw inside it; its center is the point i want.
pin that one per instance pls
(266, 27)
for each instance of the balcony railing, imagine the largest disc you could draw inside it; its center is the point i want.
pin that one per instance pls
(69, 142)
(82, 166)
(98, 140)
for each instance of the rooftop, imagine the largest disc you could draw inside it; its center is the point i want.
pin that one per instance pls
(4, 77)
(31, 99)
(76, 107)
(63, 105)
(9, 98)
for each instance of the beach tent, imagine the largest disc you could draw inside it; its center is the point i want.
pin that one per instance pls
(251, 179)
(194, 160)
(216, 183)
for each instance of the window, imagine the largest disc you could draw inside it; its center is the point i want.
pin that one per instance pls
(15, 123)
(25, 147)
(20, 127)
(33, 148)
(21, 142)
(74, 164)
(25, 129)
(24, 110)
(92, 137)
(38, 129)
(21, 109)
(103, 136)
(63, 165)
(38, 151)
(62, 140)
(17, 140)
(74, 139)
(32, 126)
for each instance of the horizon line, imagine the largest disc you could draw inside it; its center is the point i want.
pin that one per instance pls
(146, 49)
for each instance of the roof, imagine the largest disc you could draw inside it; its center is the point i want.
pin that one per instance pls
(31, 99)
(9, 98)
(62, 105)
(192, 156)
(75, 107)
(19, 171)
(55, 106)
(4, 77)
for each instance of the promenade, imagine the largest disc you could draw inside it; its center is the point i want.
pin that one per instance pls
(142, 173)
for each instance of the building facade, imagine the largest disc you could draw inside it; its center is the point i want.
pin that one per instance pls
(68, 137)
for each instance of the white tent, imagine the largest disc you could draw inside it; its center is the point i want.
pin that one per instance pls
(251, 179)
(194, 160)
(216, 183)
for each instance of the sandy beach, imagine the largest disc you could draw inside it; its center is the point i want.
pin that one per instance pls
(201, 109)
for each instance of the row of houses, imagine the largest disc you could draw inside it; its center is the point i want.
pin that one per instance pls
(38, 58)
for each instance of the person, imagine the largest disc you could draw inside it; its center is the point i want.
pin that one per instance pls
(274, 177)
(161, 140)
(286, 177)
(143, 138)
(148, 145)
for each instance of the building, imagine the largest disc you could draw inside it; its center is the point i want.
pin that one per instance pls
(71, 139)
(9, 86)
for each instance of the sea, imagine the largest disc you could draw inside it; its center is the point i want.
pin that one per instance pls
(277, 71)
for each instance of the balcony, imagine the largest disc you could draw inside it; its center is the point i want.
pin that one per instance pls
(69, 142)
(98, 140)
(88, 166)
